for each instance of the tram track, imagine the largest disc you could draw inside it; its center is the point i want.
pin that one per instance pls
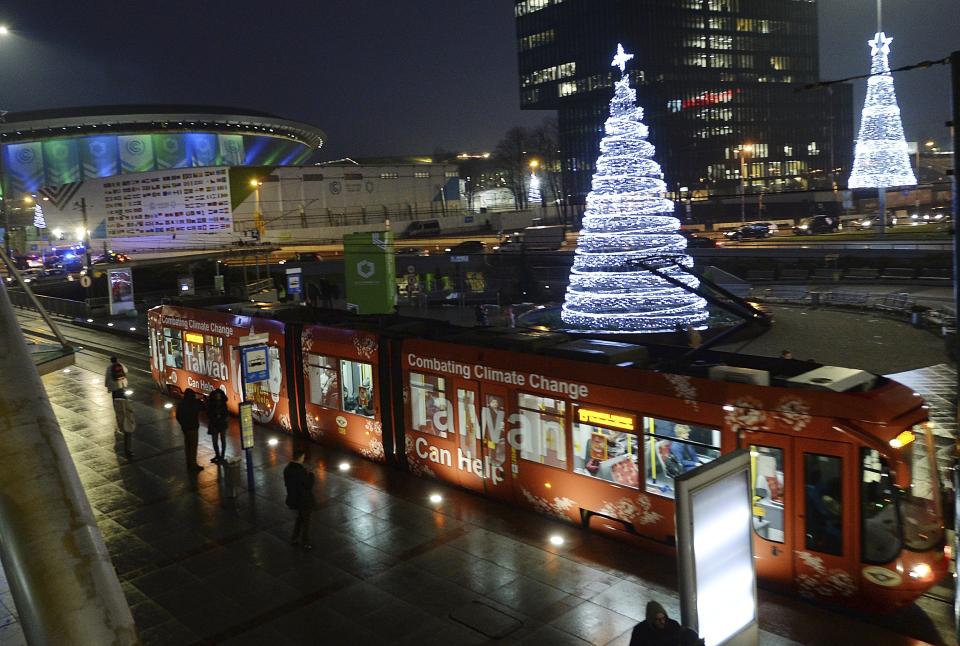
(86, 341)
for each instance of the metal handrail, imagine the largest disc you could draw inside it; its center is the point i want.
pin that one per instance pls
(60, 574)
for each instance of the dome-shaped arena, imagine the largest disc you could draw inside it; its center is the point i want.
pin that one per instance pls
(50, 148)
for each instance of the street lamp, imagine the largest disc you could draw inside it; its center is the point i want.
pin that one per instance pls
(745, 149)
(257, 215)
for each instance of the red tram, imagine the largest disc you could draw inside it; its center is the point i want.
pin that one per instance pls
(847, 504)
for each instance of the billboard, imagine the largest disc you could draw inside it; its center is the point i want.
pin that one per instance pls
(369, 270)
(120, 286)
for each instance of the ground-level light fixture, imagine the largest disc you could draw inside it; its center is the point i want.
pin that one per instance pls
(344, 466)
(168, 405)
(273, 441)
(556, 540)
(436, 498)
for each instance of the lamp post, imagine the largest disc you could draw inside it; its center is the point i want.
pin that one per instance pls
(4, 31)
(257, 214)
(745, 150)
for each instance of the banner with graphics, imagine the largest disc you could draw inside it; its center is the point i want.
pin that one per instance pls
(120, 282)
(23, 164)
(98, 156)
(231, 150)
(62, 160)
(369, 269)
(136, 153)
(203, 149)
(170, 150)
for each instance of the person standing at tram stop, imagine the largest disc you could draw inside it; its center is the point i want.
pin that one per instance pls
(298, 481)
(115, 377)
(217, 419)
(126, 422)
(188, 414)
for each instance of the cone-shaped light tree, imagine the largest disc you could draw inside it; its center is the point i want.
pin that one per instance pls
(629, 227)
(881, 158)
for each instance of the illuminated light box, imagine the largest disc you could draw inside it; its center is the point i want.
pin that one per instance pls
(718, 580)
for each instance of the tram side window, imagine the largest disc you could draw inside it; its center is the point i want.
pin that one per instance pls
(605, 453)
(430, 409)
(172, 348)
(193, 353)
(542, 436)
(357, 381)
(768, 498)
(324, 381)
(823, 502)
(674, 448)
(881, 529)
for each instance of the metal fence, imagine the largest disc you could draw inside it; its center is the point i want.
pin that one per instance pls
(59, 306)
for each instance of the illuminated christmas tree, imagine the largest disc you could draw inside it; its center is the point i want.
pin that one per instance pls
(628, 221)
(534, 197)
(38, 220)
(881, 158)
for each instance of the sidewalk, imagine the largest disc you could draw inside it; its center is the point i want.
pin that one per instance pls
(388, 566)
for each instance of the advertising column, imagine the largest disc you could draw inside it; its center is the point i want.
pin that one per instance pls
(369, 270)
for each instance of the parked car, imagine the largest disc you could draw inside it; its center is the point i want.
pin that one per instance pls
(308, 256)
(110, 258)
(466, 247)
(411, 251)
(697, 242)
(873, 222)
(753, 231)
(817, 224)
(770, 225)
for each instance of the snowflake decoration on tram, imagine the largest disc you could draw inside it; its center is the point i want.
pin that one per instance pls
(683, 389)
(794, 413)
(558, 508)
(747, 414)
(638, 511)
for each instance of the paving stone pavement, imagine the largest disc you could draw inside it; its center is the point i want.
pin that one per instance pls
(388, 566)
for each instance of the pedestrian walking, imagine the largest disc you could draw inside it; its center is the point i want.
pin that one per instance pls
(126, 422)
(115, 377)
(188, 414)
(299, 483)
(217, 420)
(657, 630)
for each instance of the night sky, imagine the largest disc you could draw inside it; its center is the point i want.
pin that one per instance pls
(379, 77)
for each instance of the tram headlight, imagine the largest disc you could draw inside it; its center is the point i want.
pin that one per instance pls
(920, 571)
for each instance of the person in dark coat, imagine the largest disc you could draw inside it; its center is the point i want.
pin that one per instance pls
(299, 483)
(217, 418)
(657, 630)
(188, 414)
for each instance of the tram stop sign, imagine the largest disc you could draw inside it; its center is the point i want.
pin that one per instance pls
(255, 363)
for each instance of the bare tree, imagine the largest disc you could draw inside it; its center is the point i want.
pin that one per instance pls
(510, 155)
(545, 145)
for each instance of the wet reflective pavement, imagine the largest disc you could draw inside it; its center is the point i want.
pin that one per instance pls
(388, 566)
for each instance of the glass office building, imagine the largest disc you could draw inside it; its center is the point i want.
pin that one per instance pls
(721, 83)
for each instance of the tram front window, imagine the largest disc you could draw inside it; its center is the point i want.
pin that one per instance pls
(920, 504)
(881, 532)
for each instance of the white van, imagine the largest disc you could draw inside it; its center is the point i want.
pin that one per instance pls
(422, 229)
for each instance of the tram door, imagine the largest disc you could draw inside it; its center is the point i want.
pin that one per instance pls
(774, 508)
(826, 529)
(468, 454)
(481, 454)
